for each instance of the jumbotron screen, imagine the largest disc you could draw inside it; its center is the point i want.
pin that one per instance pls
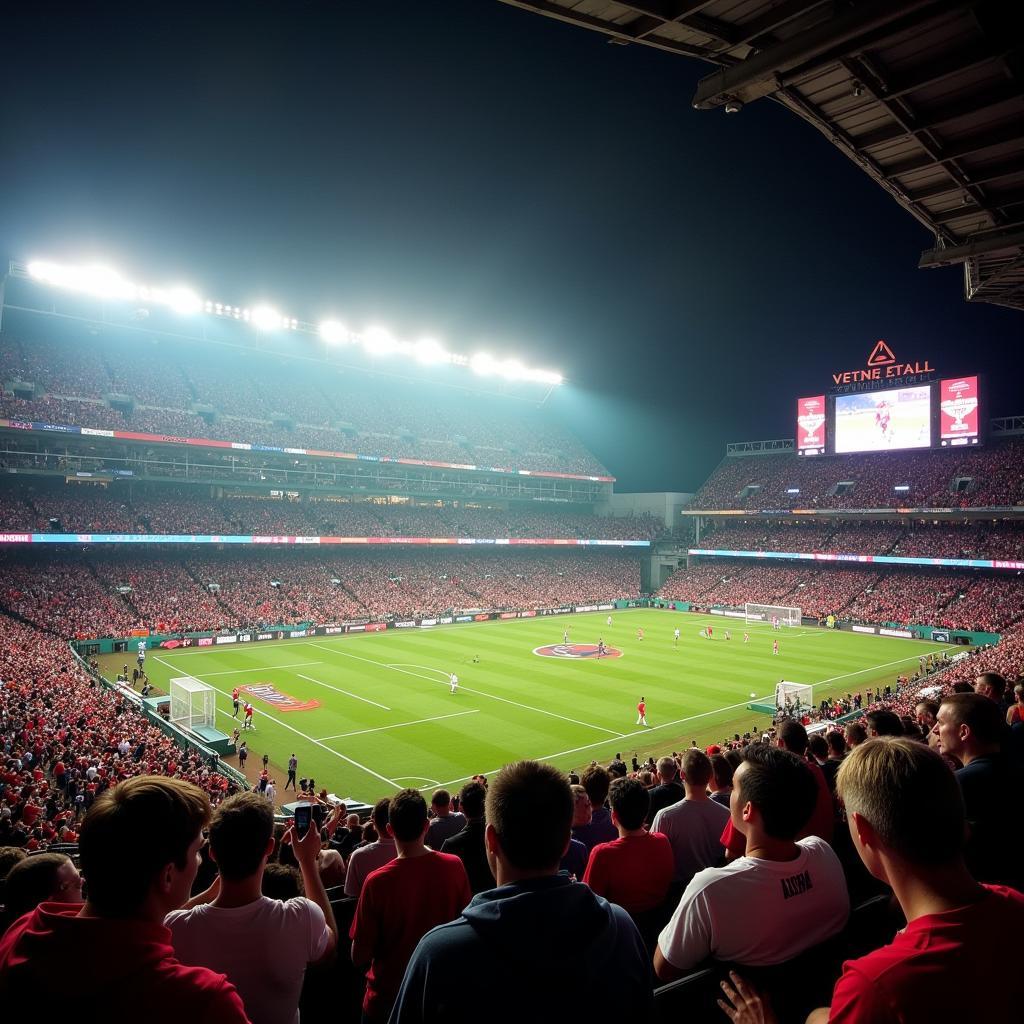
(881, 421)
(958, 411)
(810, 425)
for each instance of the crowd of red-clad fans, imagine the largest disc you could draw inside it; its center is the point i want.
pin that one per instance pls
(101, 594)
(990, 476)
(61, 509)
(297, 404)
(66, 740)
(950, 600)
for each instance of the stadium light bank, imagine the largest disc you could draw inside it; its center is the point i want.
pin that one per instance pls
(103, 282)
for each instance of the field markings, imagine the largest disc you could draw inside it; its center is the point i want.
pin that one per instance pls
(625, 736)
(875, 668)
(267, 668)
(466, 689)
(400, 725)
(291, 728)
(338, 689)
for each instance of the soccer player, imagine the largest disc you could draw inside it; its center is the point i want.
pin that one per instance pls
(601, 649)
(453, 679)
(728, 635)
(746, 638)
(142, 654)
(234, 702)
(775, 647)
(640, 633)
(675, 637)
(247, 724)
(641, 712)
(565, 636)
(711, 631)
(608, 621)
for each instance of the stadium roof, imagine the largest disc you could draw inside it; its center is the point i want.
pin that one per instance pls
(925, 96)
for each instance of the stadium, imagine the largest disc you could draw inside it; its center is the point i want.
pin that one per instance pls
(341, 578)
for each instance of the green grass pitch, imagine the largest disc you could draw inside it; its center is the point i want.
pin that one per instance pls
(387, 718)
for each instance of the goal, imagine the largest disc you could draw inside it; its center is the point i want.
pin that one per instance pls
(193, 704)
(793, 697)
(768, 613)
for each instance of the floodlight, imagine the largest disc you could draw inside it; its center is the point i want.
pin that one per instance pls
(511, 369)
(378, 341)
(482, 364)
(182, 300)
(427, 350)
(333, 332)
(103, 282)
(265, 318)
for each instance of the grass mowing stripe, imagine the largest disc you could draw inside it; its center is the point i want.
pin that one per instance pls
(338, 689)
(291, 728)
(400, 725)
(467, 689)
(239, 671)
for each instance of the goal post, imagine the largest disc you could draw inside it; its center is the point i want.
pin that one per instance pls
(770, 614)
(193, 704)
(793, 697)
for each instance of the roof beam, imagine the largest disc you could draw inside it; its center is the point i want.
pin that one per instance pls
(928, 120)
(1000, 136)
(978, 176)
(761, 74)
(657, 15)
(1005, 240)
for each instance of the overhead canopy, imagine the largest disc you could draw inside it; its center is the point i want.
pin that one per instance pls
(925, 96)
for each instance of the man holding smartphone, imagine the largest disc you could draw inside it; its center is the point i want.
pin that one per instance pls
(262, 945)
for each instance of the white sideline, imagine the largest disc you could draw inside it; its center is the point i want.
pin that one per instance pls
(338, 689)
(400, 725)
(466, 689)
(291, 728)
(875, 668)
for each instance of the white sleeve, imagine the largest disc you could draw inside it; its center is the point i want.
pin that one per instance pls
(687, 939)
(319, 933)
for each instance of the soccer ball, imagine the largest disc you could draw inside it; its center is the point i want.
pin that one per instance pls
(753, 695)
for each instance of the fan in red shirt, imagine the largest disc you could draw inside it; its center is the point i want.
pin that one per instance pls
(401, 901)
(906, 819)
(636, 869)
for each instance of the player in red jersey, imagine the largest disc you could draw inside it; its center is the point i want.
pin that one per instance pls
(775, 647)
(640, 633)
(641, 712)
(247, 724)
(234, 702)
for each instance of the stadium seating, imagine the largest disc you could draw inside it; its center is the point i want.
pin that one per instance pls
(996, 475)
(272, 401)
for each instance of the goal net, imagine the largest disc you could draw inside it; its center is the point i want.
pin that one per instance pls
(193, 703)
(772, 614)
(792, 698)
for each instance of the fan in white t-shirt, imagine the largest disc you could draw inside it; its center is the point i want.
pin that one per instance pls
(798, 887)
(262, 945)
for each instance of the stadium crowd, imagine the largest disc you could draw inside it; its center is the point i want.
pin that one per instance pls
(101, 594)
(994, 476)
(291, 404)
(63, 509)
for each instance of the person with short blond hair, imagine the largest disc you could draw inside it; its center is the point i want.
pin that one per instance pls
(112, 958)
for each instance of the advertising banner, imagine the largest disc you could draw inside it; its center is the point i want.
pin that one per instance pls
(958, 411)
(810, 425)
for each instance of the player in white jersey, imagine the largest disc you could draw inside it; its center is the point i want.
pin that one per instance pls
(608, 621)
(675, 637)
(728, 635)
(746, 638)
(453, 681)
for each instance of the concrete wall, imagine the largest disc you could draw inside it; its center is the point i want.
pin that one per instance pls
(665, 505)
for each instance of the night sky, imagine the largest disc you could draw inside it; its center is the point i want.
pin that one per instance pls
(498, 179)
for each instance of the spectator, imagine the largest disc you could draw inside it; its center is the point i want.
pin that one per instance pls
(855, 734)
(44, 878)
(635, 870)
(505, 958)
(969, 728)
(9, 856)
(445, 823)
(907, 823)
(262, 945)
(596, 781)
(574, 862)
(693, 825)
(468, 845)
(796, 885)
(1015, 713)
(669, 790)
(882, 722)
(836, 743)
(373, 855)
(402, 901)
(721, 779)
(991, 685)
(140, 848)
(281, 882)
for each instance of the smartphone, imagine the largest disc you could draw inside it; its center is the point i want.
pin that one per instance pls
(303, 816)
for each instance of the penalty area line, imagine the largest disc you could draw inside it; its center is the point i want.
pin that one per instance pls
(291, 728)
(338, 689)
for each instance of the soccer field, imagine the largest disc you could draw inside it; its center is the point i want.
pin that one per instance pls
(385, 716)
